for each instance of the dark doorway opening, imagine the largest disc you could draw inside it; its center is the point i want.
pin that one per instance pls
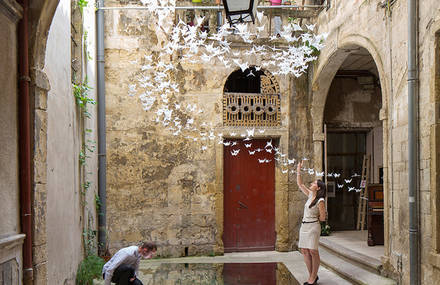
(345, 152)
(248, 81)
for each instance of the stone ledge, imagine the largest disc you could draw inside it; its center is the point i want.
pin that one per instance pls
(369, 263)
(320, 137)
(11, 9)
(434, 258)
(11, 241)
(351, 272)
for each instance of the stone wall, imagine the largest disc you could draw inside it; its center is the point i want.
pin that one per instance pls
(62, 208)
(165, 188)
(63, 220)
(383, 32)
(9, 120)
(349, 106)
(10, 238)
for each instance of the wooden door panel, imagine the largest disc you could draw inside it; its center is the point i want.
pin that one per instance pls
(249, 197)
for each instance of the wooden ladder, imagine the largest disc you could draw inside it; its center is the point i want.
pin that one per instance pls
(363, 197)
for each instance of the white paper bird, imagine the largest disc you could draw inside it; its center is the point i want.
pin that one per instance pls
(310, 27)
(260, 16)
(296, 27)
(260, 29)
(269, 144)
(235, 152)
(243, 66)
(347, 181)
(247, 145)
(250, 73)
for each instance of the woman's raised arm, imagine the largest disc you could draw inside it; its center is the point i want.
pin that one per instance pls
(301, 185)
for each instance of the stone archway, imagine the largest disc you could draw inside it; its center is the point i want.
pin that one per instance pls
(25, 27)
(40, 19)
(330, 62)
(268, 86)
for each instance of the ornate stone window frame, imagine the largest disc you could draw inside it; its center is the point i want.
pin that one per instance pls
(254, 110)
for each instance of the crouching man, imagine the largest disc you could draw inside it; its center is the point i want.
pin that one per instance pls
(123, 267)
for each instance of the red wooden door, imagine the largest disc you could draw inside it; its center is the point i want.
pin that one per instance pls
(249, 196)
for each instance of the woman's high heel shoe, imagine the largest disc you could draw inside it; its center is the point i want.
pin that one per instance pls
(316, 281)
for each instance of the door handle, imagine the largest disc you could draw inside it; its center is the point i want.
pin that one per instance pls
(242, 205)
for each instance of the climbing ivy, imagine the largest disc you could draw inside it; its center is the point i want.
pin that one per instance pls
(81, 4)
(81, 93)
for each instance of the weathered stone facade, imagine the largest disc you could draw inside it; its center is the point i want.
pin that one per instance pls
(382, 30)
(56, 237)
(11, 239)
(163, 188)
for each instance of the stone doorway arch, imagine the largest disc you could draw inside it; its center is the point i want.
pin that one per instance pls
(331, 60)
(276, 131)
(40, 16)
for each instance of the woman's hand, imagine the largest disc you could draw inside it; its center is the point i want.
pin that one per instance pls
(299, 166)
(301, 186)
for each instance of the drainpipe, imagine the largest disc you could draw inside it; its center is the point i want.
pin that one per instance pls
(25, 143)
(102, 238)
(412, 143)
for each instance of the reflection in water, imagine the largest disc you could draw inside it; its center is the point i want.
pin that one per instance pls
(217, 273)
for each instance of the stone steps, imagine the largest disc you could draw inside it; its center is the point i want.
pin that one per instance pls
(353, 266)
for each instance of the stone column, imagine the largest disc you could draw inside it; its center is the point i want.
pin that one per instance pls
(39, 89)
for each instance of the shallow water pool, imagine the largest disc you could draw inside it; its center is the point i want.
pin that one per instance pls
(217, 273)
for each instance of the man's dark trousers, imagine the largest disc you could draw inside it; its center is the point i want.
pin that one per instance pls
(123, 274)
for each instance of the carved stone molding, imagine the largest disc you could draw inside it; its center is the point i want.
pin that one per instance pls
(11, 241)
(268, 84)
(247, 109)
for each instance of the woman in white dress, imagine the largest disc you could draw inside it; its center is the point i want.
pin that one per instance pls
(314, 213)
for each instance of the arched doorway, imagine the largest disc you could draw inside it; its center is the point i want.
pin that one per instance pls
(354, 146)
(351, 116)
(251, 100)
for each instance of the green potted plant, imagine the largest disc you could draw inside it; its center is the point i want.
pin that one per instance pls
(325, 229)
